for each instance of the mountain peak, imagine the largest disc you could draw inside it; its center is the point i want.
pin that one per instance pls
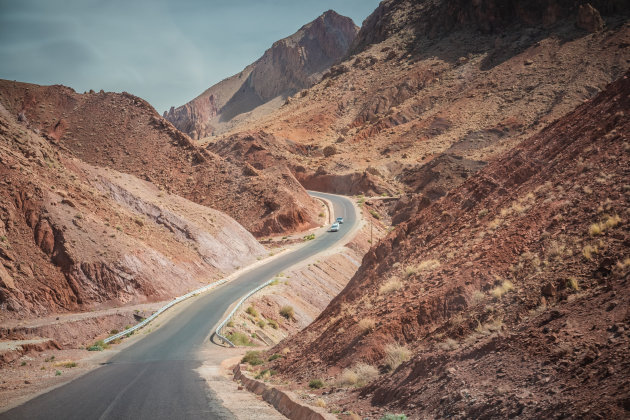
(290, 65)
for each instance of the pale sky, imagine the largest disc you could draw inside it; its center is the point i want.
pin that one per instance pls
(166, 52)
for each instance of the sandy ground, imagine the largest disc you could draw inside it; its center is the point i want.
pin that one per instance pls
(217, 371)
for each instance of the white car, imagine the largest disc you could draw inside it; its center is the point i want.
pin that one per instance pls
(334, 227)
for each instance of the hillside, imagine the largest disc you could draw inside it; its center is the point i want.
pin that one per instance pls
(76, 237)
(290, 65)
(123, 132)
(507, 297)
(444, 84)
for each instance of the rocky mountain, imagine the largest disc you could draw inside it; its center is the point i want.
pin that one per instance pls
(448, 85)
(123, 132)
(508, 297)
(74, 236)
(290, 65)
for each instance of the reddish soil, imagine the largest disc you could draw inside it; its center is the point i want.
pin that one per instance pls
(514, 288)
(125, 133)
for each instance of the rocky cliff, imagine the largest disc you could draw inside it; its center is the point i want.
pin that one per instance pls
(291, 64)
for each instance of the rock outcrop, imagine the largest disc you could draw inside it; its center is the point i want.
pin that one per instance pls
(291, 64)
(589, 19)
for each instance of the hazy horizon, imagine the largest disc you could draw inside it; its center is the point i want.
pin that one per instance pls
(163, 51)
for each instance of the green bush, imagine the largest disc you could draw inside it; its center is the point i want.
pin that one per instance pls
(98, 346)
(239, 339)
(390, 416)
(261, 323)
(316, 384)
(273, 323)
(309, 237)
(252, 358)
(57, 373)
(274, 357)
(252, 311)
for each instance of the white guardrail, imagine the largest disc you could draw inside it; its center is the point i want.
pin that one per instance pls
(238, 305)
(165, 307)
(184, 297)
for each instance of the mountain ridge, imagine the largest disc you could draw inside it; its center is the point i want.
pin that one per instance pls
(289, 65)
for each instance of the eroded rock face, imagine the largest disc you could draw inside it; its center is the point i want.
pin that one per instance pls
(589, 19)
(291, 64)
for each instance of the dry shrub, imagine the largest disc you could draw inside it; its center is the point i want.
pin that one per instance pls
(556, 250)
(588, 251)
(428, 265)
(596, 229)
(366, 325)
(449, 344)
(477, 297)
(572, 283)
(395, 355)
(392, 285)
(320, 403)
(612, 221)
(287, 312)
(499, 291)
(359, 375)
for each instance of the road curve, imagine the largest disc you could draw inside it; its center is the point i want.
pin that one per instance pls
(155, 378)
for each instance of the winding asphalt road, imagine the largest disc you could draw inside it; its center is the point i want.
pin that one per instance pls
(155, 378)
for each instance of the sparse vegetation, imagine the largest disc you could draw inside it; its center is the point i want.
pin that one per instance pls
(320, 403)
(287, 312)
(390, 286)
(588, 251)
(426, 265)
(358, 376)
(499, 291)
(375, 214)
(261, 323)
(572, 283)
(239, 339)
(98, 346)
(67, 364)
(477, 297)
(265, 374)
(390, 416)
(596, 229)
(252, 358)
(449, 344)
(252, 311)
(366, 325)
(273, 323)
(274, 357)
(395, 355)
(309, 237)
(316, 384)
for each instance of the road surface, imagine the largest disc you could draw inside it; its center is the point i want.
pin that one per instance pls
(155, 378)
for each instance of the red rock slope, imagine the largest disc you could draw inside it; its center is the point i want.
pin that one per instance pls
(125, 133)
(76, 237)
(511, 293)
